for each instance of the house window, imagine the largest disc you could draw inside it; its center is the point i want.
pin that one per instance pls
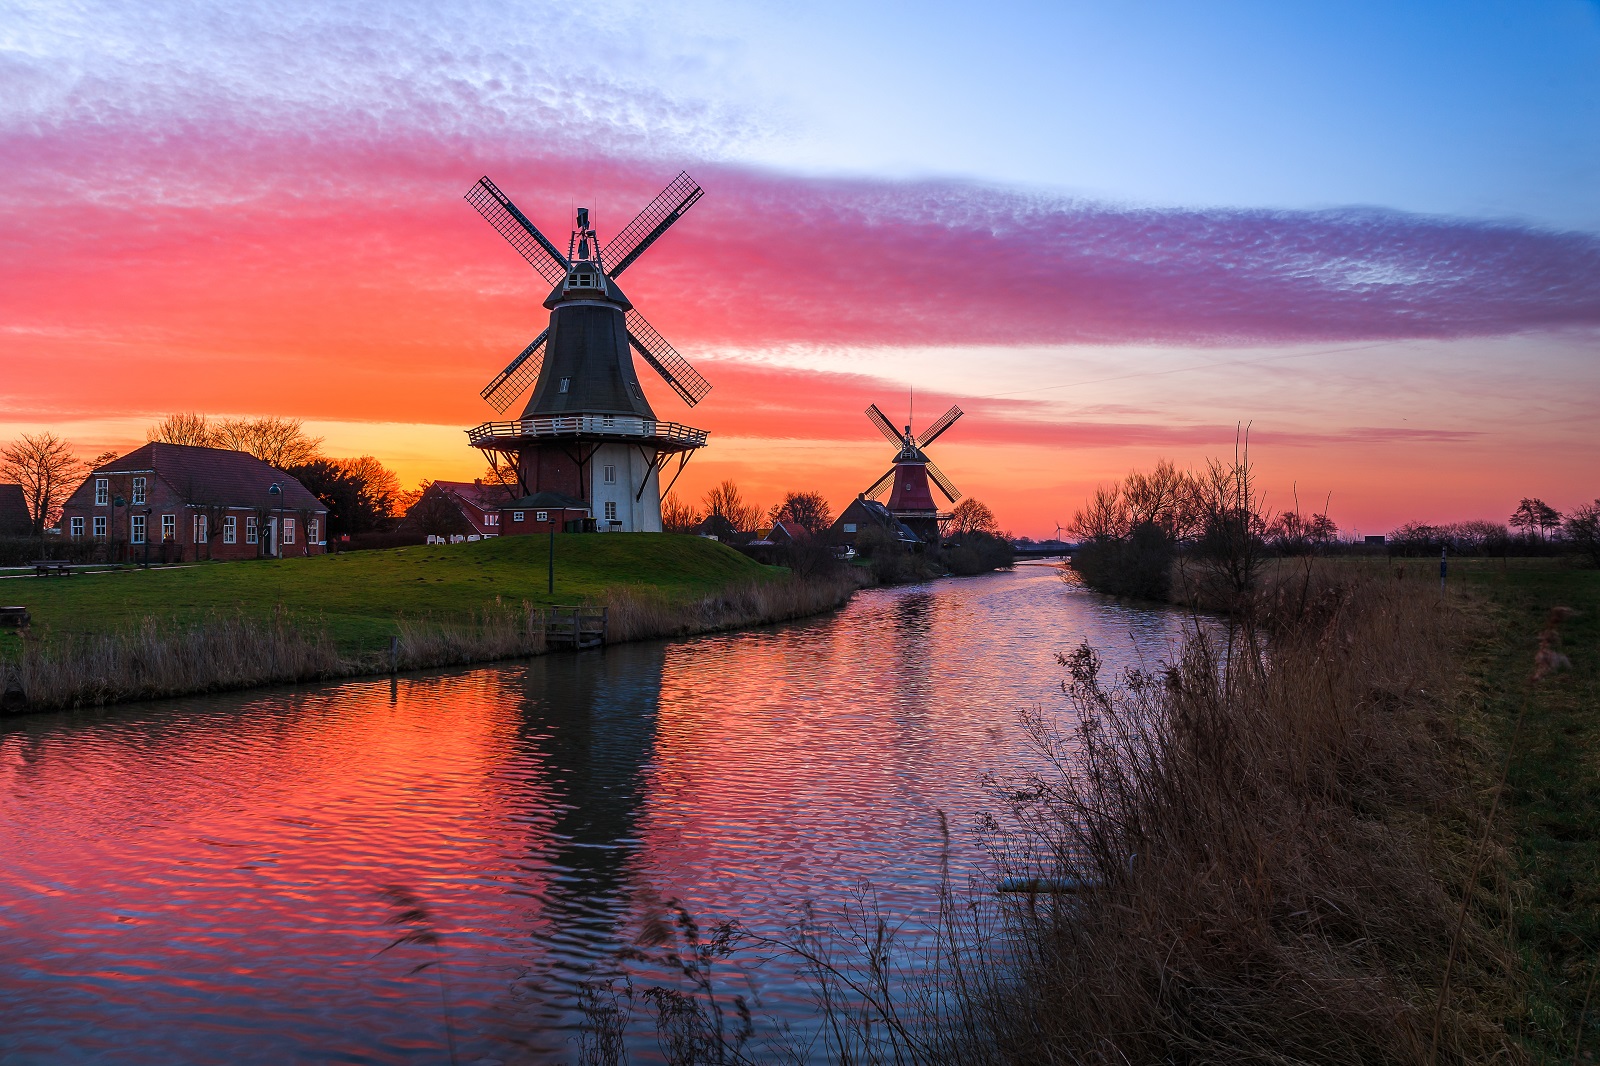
(516, 516)
(138, 489)
(566, 384)
(611, 475)
(200, 529)
(611, 510)
(169, 527)
(541, 516)
(607, 421)
(492, 519)
(250, 534)
(77, 528)
(100, 527)
(102, 491)
(313, 526)
(136, 527)
(288, 531)
(849, 527)
(230, 530)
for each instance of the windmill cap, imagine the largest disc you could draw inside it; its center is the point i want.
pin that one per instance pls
(603, 288)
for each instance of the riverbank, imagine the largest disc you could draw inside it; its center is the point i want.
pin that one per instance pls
(136, 635)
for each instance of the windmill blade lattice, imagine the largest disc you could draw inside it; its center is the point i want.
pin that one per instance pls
(882, 483)
(520, 233)
(945, 421)
(514, 380)
(886, 427)
(937, 476)
(656, 218)
(664, 358)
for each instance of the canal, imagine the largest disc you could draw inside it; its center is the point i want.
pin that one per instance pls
(204, 880)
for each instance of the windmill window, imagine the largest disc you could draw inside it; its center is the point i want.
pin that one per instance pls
(611, 510)
(611, 475)
(566, 384)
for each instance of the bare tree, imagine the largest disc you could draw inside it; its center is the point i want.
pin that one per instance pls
(47, 471)
(725, 502)
(808, 510)
(677, 516)
(1582, 529)
(278, 442)
(183, 428)
(971, 516)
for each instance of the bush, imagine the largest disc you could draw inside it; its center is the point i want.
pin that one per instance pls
(1139, 566)
(978, 552)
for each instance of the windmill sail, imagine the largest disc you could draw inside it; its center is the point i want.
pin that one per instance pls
(520, 233)
(514, 380)
(882, 483)
(938, 478)
(945, 421)
(656, 218)
(664, 358)
(884, 425)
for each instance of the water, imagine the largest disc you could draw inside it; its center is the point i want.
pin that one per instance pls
(201, 880)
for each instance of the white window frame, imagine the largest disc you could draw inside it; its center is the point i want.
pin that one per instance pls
(313, 527)
(99, 527)
(849, 527)
(139, 487)
(252, 530)
(230, 529)
(517, 516)
(201, 528)
(136, 529)
(609, 475)
(611, 510)
(288, 531)
(169, 527)
(541, 516)
(76, 526)
(102, 491)
(566, 384)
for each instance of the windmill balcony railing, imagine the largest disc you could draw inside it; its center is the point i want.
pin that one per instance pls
(589, 426)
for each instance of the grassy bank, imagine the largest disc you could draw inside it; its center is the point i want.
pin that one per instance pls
(1552, 805)
(140, 635)
(361, 599)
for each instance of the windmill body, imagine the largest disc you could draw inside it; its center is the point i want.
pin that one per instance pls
(588, 432)
(913, 477)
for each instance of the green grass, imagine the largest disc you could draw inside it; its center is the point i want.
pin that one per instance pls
(360, 595)
(1553, 796)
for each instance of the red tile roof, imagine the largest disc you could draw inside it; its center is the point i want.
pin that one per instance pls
(217, 476)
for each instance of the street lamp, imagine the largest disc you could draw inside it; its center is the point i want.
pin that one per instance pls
(276, 492)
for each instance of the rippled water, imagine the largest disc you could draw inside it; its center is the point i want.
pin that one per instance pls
(200, 880)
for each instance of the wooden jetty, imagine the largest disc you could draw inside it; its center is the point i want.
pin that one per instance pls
(574, 627)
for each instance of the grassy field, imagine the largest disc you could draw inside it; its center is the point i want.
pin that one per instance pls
(1552, 803)
(359, 596)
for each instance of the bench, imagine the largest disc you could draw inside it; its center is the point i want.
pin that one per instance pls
(51, 568)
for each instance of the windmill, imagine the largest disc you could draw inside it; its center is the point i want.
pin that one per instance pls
(910, 498)
(587, 432)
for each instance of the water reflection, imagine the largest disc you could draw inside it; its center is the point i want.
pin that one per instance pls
(200, 881)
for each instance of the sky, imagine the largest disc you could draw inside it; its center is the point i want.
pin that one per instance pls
(1111, 233)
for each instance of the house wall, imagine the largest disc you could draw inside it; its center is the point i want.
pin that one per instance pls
(551, 469)
(555, 520)
(161, 501)
(633, 468)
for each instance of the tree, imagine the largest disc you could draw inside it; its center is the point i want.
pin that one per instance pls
(436, 514)
(971, 516)
(278, 442)
(190, 429)
(102, 459)
(1322, 529)
(504, 476)
(1582, 529)
(808, 510)
(725, 502)
(1534, 517)
(677, 516)
(380, 487)
(47, 471)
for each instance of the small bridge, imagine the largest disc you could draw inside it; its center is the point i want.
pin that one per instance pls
(574, 627)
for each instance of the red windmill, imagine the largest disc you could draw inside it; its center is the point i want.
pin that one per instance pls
(910, 498)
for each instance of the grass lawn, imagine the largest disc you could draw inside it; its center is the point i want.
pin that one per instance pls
(1553, 796)
(359, 595)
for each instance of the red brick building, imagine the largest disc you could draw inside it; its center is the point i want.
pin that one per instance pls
(172, 502)
(543, 512)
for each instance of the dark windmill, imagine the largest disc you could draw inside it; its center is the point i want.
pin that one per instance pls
(588, 432)
(910, 498)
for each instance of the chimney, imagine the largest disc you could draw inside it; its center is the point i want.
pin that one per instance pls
(478, 481)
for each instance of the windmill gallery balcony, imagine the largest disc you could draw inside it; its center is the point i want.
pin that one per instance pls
(669, 436)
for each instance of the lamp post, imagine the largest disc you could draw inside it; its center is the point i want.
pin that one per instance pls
(276, 492)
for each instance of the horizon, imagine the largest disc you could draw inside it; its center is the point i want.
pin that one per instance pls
(1388, 266)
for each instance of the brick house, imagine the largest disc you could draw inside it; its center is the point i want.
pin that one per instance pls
(15, 521)
(457, 507)
(543, 512)
(173, 502)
